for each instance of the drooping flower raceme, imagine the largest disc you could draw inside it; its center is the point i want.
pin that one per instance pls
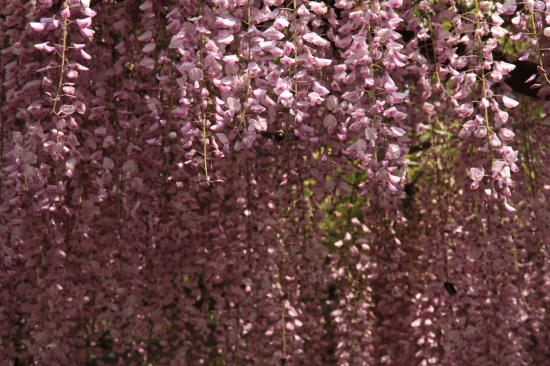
(268, 182)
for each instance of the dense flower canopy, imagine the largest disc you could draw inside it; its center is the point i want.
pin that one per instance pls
(271, 182)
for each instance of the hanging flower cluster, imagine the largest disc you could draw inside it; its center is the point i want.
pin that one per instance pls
(266, 182)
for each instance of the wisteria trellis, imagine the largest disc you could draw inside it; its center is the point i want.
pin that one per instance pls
(148, 218)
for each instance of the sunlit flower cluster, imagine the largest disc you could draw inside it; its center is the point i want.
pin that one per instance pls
(269, 182)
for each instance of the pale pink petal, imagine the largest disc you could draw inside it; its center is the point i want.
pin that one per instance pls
(509, 102)
(38, 27)
(84, 23)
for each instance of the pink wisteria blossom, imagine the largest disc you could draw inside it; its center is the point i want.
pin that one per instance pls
(274, 183)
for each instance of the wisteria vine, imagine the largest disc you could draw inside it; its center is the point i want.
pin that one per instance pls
(270, 182)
